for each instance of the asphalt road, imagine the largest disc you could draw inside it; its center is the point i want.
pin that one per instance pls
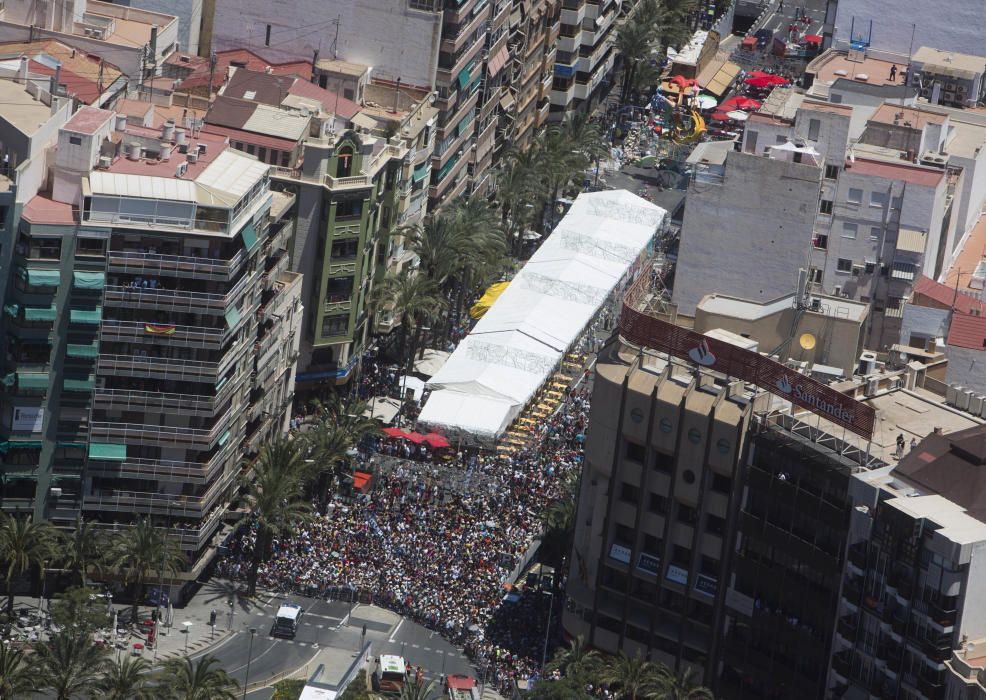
(328, 624)
(782, 19)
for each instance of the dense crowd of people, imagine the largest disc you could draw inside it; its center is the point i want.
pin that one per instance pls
(440, 550)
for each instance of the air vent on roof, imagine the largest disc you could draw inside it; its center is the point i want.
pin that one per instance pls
(105, 162)
(181, 169)
(193, 157)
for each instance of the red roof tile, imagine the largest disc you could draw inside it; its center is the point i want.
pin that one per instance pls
(967, 331)
(944, 297)
(250, 137)
(200, 76)
(330, 101)
(44, 210)
(923, 177)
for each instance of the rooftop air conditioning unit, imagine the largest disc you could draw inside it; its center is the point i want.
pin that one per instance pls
(192, 157)
(949, 86)
(105, 162)
(961, 89)
(925, 92)
(949, 96)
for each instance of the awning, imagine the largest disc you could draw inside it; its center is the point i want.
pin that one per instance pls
(88, 280)
(723, 79)
(79, 383)
(465, 122)
(223, 438)
(108, 451)
(89, 317)
(421, 171)
(507, 101)
(32, 380)
(24, 444)
(11, 309)
(480, 308)
(498, 61)
(40, 278)
(464, 75)
(232, 316)
(79, 350)
(910, 241)
(249, 235)
(44, 313)
(903, 271)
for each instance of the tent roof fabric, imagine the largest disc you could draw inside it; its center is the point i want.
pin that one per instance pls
(515, 347)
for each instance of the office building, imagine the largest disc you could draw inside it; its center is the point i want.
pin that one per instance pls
(912, 596)
(153, 329)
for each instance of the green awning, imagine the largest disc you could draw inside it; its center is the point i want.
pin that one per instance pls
(9, 379)
(223, 438)
(32, 380)
(66, 477)
(107, 450)
(11, 309)
(221, 383)
(249, 235)
(76, 445)
(40, 278)
(464, 123)
(421, 171)
(232, 316)
(87, 350)
(43, 313)
(464, 76)
(90, 317)
(24, 445)
(88, 280)
(79, 383)
(444, 170)
(19, 475)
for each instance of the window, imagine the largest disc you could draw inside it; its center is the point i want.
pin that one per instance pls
(715, 524)
(262, 154)
(878, 199)
(348, 93)
(335, 325)
(723, 484)
(781, 138)
(663, 463)
(629, 492)
(657, 504)
(90, 246)
(844, 265)
(815, 275)
(345, 250)
(344, 161)
(820, 241)
(687, 514)
(285, 159)
(653, 546)
(75, 140)
(855, 195)
(875, 233)
(751, 142)
(870, 267)
(825, 206)
(849, 230)
(338, 289)
(267, 37)
(814, 126)
(831, 172)
(680, 555)
(635, 452)
(349, 209)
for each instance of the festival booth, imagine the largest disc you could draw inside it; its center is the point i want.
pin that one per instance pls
(500, 367)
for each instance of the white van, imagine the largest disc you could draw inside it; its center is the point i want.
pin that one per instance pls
(286, 621)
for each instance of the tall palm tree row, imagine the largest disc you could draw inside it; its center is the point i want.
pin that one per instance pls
(342, 425)
(136, 552)
(25, 545)
(413, 299)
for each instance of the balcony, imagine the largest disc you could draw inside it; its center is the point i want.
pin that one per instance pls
(841, 664)
(942, 614)
(460, 13)
(175, 505)
(176, 300)
(159, 402)
(857, 555)
(158, 368)
(190, 267)
(172, 471)
(186, 336)
(454, 40)
(165, 435)
(847, 626)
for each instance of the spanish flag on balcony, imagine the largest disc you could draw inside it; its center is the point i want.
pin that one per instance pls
(159, 330)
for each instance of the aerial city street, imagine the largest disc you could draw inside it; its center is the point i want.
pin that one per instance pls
(492, 350)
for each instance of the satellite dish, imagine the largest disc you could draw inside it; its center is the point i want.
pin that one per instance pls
(807, 341)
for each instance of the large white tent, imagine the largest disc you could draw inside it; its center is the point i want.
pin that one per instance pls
(515, 347)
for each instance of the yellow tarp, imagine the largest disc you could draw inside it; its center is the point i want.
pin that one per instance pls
(480, 308)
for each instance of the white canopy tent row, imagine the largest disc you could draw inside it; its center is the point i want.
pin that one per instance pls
(515, 348)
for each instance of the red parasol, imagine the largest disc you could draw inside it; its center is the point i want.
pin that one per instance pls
(813, 39)
(739, 102)
(758, 74)
(393, 432)
(416, 438)
(719, 117)
(766, 81)
(436, 440)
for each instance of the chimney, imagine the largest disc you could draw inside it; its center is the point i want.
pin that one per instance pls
(22, 71)
(168, 130)
(133, 150)
(55, 79)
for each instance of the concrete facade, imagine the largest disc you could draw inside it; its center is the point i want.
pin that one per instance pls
(924, 24)
(188, 12)
(966, 368)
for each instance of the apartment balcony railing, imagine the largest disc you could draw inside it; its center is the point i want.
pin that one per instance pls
(174, 504)
(147, 434)
(172, 471)
(126, 399)
(176, 299)
(188, 336)
(216, 269)
(454, 40)
(158, 368)
(188, 538)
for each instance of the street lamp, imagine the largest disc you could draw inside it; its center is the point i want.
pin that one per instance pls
(246, 680)
(41, 600)
(188, 633)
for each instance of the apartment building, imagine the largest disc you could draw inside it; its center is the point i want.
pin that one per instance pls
(153, 329)
(585, 56)
(913, 590)
(534, 34)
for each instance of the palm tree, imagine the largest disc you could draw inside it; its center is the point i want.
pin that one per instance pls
(137, 551)
(415, 299)
(634, 676)
(82, 549)
(517, 191)
(24, 544)
(127, 679)
(437, 243)
(418, 690)
(558, 521)
(342, 427)
(17, 677)
(275, 498)
(184, 679)
(681, 686)
(633, 43)
(577, 659)
(70, 664)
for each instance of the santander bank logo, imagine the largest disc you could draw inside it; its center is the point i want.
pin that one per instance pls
(702, 355)
(784, 385)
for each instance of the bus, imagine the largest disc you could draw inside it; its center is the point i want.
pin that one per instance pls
(286, 621)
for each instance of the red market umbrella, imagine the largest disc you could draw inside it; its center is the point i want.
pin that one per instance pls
(719, 117)
(393, 432)
(436, 440)
(739, 102)
(757, 74)
(813, 39)
(766, 81)
(416, 438)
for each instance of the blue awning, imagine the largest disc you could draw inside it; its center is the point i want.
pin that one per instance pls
(249, 235)
(223, 438)
(33, 313)
(40, 278)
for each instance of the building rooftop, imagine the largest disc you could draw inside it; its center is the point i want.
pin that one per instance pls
(915, 118)
(258, 117)
(159, 114)
(891, 91)
(905, 172)
(130, 26)
(84, 75)
(952, 465)
(20, 109)
(959, 65)
(88, 120)
(712, 152)
(971, 257)
(832, 65)
(829, 107)
(239, 58)
(286, 91)
(952, 520)
(965, 138)
(214, 146)
(967, 331)
(42, 209)
(782, 102)
(689, 52)
(334, 65)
